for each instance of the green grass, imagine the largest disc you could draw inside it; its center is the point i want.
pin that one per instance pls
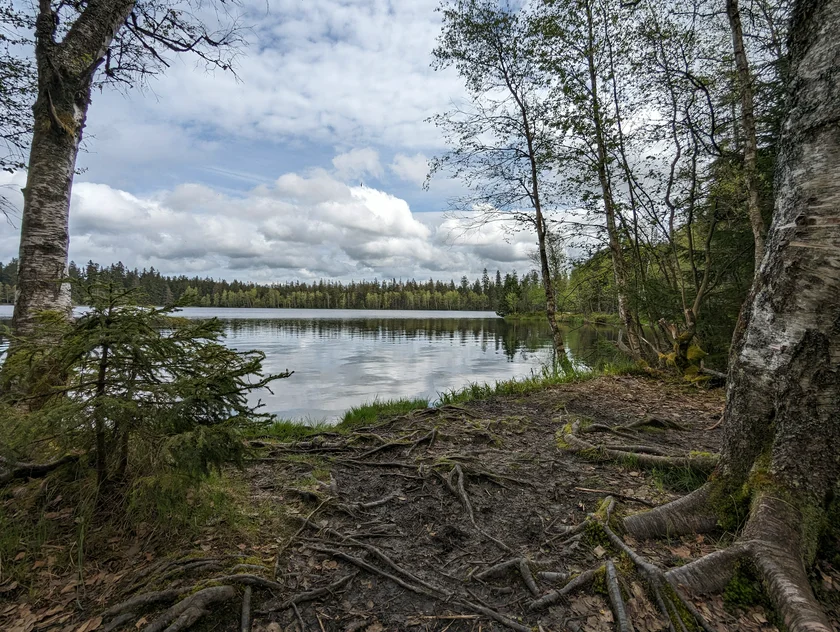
(371, 412)
(286, 430)
(523, 386)
(363, 415)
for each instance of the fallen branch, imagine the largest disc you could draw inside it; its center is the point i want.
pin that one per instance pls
(576, 444)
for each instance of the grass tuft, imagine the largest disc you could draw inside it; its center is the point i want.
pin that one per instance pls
(285, 430)
(371, 412)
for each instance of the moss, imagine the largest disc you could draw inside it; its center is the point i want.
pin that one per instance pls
(828, 545)
(744, 589)
(678, 610)
(695, 353)
(593, 535)
(599, 582)
(560, 437)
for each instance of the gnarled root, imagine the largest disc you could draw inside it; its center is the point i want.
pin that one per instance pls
(186, 612)
(689, 514)
(774, 541)
(700, 463)
(622, 622)
(771, 539)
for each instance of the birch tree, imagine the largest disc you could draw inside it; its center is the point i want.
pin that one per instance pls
(779, 459)
(79, 45)
(502, 141)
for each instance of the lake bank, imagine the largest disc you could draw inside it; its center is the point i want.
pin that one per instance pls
(347, 358)
(319, 516)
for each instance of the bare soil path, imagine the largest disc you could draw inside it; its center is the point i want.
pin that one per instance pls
(451, 519)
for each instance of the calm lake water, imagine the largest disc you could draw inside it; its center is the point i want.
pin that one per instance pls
(343, 358)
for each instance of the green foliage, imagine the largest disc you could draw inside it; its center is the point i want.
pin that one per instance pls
(137, 390)
(285, 430)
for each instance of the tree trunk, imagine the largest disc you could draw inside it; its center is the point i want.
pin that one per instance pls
(550, 295)
(748, 126)
(65, 76)
(781, 423)
(625, 312)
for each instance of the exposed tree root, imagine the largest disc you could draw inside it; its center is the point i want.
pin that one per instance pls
(360, 563)
(520, 565)
(457, 488)
(711, 573)
(688, 514)
(143, 600)
(554, 596)
(431, 592)
(245, 617)
(616, 601)
(770, 539)
(187, 611)
(700, 463)
(276, 605)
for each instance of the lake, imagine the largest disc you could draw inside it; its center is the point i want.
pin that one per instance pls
(343, 358)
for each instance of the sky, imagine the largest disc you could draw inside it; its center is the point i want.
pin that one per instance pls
(308, 164)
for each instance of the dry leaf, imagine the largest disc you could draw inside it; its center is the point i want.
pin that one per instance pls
(90, 624)
(20, 556)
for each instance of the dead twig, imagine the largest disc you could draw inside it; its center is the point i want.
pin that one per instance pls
(616, 494)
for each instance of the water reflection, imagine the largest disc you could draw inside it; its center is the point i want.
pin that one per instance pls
(340, 363)
(345, 358)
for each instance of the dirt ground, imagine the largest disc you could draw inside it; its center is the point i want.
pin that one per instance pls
(407, 525)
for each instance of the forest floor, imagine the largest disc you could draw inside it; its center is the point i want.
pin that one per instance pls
(408, 524)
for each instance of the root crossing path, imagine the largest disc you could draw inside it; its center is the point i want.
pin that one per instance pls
(476, 517)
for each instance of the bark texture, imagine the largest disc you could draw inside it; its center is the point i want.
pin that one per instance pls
(65, 75)
(782, 420)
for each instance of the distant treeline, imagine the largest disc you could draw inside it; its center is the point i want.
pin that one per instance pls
(484, 293)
